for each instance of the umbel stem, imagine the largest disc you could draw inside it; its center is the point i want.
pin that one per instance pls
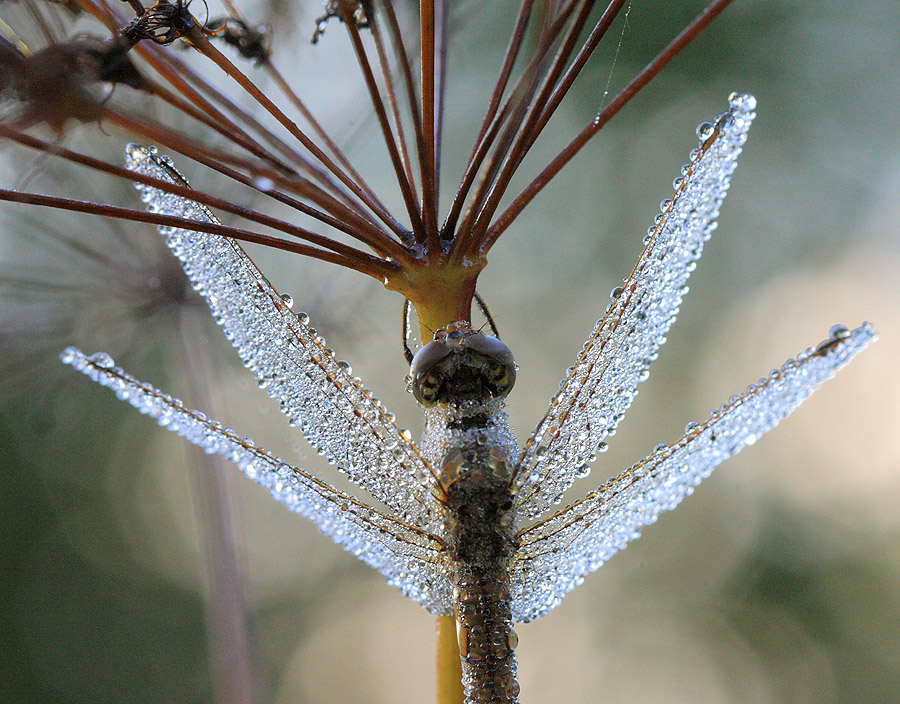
(448, 670)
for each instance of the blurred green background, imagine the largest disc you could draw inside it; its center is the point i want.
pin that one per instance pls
(136, 570)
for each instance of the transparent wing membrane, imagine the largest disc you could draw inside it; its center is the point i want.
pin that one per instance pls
(602, 384)
(555, 554)
(410, 558)
(336, 414)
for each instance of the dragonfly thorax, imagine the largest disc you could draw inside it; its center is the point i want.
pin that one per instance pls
(477, 475)
(460, 367)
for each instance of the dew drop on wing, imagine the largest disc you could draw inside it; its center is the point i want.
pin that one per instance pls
(838, 332)
(102, 360)
(705, 130)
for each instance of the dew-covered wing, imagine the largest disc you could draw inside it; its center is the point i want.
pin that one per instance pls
(410, 558)
(602, 383)
(555, 554)
(336, 414)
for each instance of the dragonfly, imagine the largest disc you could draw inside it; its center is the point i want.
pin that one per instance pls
(469, 526)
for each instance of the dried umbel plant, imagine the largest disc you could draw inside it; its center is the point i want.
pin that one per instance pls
(462, 532)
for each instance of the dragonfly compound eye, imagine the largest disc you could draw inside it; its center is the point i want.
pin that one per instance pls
(456, 368)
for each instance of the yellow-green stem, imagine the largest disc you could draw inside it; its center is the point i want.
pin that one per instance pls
(449, 672)
(441, 294)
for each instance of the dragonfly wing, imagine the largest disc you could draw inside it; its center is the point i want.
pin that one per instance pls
(337, 415)
(602, 384)
(410, 558)
(555, 554)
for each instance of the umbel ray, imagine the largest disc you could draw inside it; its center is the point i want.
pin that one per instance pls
(457, 537)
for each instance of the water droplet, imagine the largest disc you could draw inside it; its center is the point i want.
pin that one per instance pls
(287, 299)
(838, 332)
(263, 183)
(705, 130)
(602, 447)
(743, 101)
(102, 360)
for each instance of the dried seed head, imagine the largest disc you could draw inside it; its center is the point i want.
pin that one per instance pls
(66, 81)
(163, 23)
(251, 42)
(362, 13)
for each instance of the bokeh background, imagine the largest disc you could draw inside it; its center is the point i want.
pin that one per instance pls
(134, 569)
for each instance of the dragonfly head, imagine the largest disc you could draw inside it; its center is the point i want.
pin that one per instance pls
(461, 365)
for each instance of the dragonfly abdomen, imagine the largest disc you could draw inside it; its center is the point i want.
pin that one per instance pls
(480, 545)
(485, 637)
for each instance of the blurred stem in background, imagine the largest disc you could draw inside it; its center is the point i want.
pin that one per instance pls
(229, 643)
